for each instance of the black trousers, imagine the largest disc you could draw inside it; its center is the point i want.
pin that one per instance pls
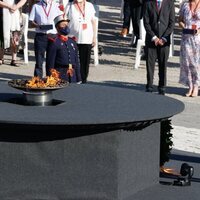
(127, 14)
(84, 56)
(40, 47)
(162, 54)
(136, 15)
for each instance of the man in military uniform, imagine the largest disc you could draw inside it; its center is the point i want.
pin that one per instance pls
(62, 52)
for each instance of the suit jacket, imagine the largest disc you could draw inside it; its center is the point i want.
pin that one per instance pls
(158, 22)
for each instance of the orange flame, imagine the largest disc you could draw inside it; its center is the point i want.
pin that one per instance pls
(49, 81)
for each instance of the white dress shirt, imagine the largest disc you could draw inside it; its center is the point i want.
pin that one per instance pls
(77, 21)
(44, 14)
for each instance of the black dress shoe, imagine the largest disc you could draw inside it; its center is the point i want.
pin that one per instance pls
(161, 91)
(13, 63)
(84, 81)
(149, 89)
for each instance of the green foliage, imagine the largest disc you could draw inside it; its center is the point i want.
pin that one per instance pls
(165, 141)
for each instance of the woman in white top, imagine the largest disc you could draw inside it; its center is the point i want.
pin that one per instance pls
(83, 27)
(7, 6)
(11, 27)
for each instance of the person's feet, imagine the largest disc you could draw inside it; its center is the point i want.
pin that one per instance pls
(124, 32)
(1, 62)
(161, 91)
(149, 89)
(13, 63)
(189, 93)
(195, 91)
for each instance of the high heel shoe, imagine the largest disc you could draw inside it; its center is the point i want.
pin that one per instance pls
(189, 93)
(1, 61)
(195, 91)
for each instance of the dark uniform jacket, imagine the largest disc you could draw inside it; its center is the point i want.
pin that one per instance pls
(61, 53)
(159, 22)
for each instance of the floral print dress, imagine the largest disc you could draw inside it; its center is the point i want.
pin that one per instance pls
(190, 48)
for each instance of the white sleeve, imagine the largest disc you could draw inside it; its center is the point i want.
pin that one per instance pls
(67, 7)
(57, 9)
(65, 2)
(92, 10)
(32, 14)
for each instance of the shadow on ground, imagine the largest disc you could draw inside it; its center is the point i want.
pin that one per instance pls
(140, 87)
(6, 76)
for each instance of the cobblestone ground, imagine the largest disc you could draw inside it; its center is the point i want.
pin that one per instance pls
(116, 68)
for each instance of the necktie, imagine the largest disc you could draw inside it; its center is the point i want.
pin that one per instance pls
(159, 4)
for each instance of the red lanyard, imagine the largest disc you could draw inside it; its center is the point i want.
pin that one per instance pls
(82, 12)
(47, 13)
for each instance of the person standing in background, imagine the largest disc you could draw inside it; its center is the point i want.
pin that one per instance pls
(83, 27)
(62, 53)
(189, 21)
(11, 28)
(7, 6)
(159, 21)
(41, 17)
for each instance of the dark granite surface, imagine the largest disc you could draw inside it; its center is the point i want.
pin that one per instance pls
(89, 105)
(166, 190)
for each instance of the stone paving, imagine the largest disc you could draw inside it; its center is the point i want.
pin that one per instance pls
(116, 68)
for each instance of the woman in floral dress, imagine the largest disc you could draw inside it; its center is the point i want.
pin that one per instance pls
(189, 18)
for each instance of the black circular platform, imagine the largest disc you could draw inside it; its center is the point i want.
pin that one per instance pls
(88, 105)
(82, 110)
(93, 142)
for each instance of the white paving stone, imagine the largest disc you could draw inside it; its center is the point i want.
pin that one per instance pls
(186, 139)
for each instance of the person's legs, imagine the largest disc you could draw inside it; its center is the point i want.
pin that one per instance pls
(136, 13)
(84, 56)
(14, 46)
(151, 55)
(40, 46)
(1, 39)
(195, 90)
(126, 19)
(163, 55)
(136, 21)
(1, 55)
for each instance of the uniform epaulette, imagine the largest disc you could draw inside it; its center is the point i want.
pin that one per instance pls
(74, 38)
(51, 39)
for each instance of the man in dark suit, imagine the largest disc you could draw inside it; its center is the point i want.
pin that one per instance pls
(159, 20)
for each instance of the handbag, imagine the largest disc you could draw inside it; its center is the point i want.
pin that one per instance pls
(189, 31)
